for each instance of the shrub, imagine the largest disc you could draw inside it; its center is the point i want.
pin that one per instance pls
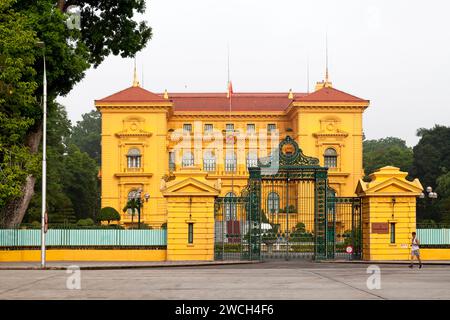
(143, 226)
(85, 222)
(108, 214)
(35, 225)
(300, 227)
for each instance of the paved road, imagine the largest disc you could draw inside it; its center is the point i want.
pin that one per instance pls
(269, 280)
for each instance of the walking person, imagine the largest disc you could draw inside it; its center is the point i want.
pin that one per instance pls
(415, 250)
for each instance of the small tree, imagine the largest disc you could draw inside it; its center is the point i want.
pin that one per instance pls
(108, 214)
(132, 205)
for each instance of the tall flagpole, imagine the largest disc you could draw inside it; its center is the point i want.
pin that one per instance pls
(307, 73)
(230, 93)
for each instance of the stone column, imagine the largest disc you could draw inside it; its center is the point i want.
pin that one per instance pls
(388, 214)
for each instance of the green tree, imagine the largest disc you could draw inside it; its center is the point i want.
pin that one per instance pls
(72, 184)
(80, 177)
(443, 201)
(431, 155)
(17, 112)
(431, 161)
(86, 135)
(107, 27)
(389, 151)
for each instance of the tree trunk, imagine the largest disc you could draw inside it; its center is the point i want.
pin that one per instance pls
(14, 211)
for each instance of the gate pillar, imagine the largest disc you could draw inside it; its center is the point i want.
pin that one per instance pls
(388, 214)
(190, 216)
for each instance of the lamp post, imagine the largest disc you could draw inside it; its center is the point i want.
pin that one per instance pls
(44, 159)
(428, 194)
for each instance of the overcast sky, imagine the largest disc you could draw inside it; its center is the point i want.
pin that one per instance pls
(394, 53)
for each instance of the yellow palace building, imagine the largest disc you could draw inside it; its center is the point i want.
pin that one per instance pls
(147, 136)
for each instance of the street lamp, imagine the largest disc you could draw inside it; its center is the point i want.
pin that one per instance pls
(427, 198)
(41, 44)
(429, 194)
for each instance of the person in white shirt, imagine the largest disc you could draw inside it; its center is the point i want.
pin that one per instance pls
(415, 250)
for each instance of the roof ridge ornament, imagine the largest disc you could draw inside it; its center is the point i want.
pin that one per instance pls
(290, 95)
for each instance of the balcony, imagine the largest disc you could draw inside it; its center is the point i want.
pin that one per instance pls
(209, 165)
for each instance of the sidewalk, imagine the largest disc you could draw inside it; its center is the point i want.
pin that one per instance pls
(83, 265)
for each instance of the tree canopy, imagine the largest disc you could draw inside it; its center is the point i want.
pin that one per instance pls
(388, 151)
(107, 27)
(72, 183)
(431, 155)
(87, 135)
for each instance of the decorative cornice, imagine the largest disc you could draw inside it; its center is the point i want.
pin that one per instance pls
(330, 134)
(142, 133)
(133, 174)
(225, 115)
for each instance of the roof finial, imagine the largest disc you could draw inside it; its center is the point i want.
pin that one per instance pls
(291, 94)
(326, 83)
(135, 79)
(166, 94)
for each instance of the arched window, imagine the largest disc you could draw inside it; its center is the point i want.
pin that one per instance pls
(273, 203)
(188, 159)
(134, 158)
(230, 161)
(230, 207)
(330, 158)
(331, 205)
(252, 159)
(209, 161)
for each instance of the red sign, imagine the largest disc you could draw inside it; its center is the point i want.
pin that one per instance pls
(349, 249)
(380, 227)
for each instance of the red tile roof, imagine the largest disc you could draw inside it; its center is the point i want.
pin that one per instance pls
(133, 94)
(239, 101)
(328, 94)
(219, 102)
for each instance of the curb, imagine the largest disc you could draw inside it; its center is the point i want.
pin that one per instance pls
(118, 267)
(434, 263)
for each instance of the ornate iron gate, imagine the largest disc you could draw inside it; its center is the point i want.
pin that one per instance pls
(346, 226)
(238, 226)
(286, 211)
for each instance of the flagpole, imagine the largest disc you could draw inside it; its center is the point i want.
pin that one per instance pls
(230, 92)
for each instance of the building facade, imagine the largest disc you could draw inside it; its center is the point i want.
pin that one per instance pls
(147, 136)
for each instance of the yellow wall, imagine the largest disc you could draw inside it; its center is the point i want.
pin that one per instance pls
(389, 199)
(144, 128)
(190, 199)
(339, 127)
(434, 254)
(315, 126)
(202, 216)
(82, 255)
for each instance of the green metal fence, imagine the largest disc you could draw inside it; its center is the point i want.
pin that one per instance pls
(434, 236)
(83, 238)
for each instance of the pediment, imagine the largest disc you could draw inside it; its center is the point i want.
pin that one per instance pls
(390, 186)
(189, 186)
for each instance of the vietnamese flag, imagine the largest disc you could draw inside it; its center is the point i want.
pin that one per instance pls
(230, 89)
